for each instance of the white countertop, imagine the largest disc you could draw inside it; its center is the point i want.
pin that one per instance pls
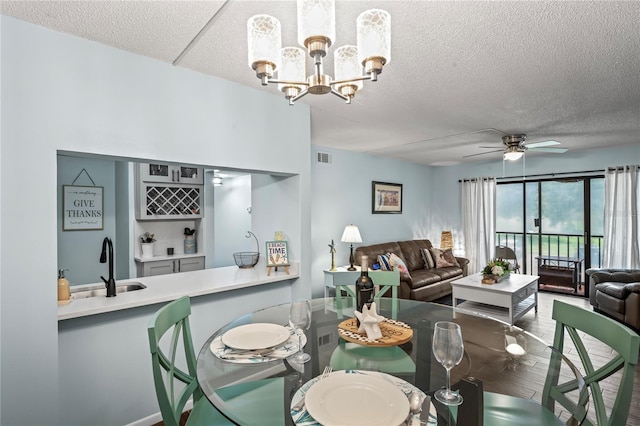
(164, 288)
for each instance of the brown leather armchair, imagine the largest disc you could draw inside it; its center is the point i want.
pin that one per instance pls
(616, 293)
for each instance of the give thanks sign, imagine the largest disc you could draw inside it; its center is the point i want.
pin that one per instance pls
(82, 208)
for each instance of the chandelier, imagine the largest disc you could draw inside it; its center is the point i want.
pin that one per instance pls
(316, 32)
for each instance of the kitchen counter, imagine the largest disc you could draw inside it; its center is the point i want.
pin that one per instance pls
(164, 288)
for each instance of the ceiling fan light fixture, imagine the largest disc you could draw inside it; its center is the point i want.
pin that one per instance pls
(513, 155)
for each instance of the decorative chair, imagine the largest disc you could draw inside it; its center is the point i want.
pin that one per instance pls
(572, 395)
(173, 395)
(574, 321)
(507, 253)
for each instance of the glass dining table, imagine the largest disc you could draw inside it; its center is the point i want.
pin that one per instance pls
(499, 359)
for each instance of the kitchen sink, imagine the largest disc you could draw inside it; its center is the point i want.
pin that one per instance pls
(101, 290)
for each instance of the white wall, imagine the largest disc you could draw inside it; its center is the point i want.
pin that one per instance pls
(65, 93)
(342, 195)
(232, 220)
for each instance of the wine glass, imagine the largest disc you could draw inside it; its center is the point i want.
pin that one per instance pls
(300, 319)
(448, 349)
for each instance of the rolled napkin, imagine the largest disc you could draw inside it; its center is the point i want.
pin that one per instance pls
(370, 321)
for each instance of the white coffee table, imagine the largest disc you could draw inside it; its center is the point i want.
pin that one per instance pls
(507, 300)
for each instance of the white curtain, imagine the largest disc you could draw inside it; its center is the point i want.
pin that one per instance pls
(479, 221)
(621, 235)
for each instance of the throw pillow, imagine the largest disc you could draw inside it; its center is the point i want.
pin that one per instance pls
(391, 262)
(398, 264)
(428, 259)
(448, 255)
(383, 260)
(438, 256)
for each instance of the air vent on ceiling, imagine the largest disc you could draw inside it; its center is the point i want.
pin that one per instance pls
(324, 157)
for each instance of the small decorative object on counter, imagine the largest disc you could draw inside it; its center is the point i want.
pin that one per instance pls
(147, 238)
(190, 246)
(495, 271)
(248, 259)
(278, 236)
(64, 292)
(333, 256)
(364, 287)
(277, 255)
(147, 243)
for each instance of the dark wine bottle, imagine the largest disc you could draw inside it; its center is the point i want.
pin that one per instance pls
(364, 287)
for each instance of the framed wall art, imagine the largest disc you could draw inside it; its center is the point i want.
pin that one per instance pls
(82, 208)
(386, 197)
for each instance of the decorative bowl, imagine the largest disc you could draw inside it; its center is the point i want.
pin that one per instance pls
(246, 259)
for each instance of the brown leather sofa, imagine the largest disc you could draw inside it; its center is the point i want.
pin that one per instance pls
(616, 293)
(423, 284)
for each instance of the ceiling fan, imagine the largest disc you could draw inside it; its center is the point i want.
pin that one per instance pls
(514, 147)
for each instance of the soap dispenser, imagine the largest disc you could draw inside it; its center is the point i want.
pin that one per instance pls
(64, 293)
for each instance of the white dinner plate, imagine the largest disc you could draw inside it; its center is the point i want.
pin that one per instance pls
(356, 399)
(255, 336)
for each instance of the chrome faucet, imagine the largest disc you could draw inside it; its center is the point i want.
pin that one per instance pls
(111, 282)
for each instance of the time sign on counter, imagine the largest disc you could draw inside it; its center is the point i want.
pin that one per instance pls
(82, 208)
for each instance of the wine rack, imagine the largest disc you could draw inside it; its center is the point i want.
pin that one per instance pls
(170, 201)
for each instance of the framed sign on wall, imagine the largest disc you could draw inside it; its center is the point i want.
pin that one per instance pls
(82, 208)
(386, 197)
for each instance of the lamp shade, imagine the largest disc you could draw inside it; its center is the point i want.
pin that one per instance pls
(345, 62)
(264, 40)
(316, 18)
(374, 35)
(351, 234)
(446, 240)
(292, 67)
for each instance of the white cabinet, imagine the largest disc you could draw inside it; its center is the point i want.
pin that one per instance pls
(169, 266)
(156, 200)
(169, 173)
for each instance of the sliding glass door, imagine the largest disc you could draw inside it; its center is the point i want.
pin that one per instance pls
(554, 226)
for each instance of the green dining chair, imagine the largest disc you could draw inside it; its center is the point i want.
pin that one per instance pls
(574, 321)
(174, 386)
(576, 394)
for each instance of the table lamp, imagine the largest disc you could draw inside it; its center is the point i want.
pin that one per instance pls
(351, 235)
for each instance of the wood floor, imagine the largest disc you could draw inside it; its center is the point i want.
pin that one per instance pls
(543, 326)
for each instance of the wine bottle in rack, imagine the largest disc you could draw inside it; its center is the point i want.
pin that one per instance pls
(364, 286)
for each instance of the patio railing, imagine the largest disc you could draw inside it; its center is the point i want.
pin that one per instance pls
(529, 246)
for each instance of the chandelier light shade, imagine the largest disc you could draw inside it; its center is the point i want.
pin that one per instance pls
(264, 38)
(374, 39)
(345, 62)
(291, 70)
(316, 22)
(316, 33)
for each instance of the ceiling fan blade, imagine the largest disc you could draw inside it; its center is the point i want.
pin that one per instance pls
(491, 147)
(541, 144)
(556, 150)
(482, 153)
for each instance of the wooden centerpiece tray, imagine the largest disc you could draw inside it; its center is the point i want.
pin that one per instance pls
(393, 333)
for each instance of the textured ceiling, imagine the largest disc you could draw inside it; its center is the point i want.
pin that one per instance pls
(461, 73)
